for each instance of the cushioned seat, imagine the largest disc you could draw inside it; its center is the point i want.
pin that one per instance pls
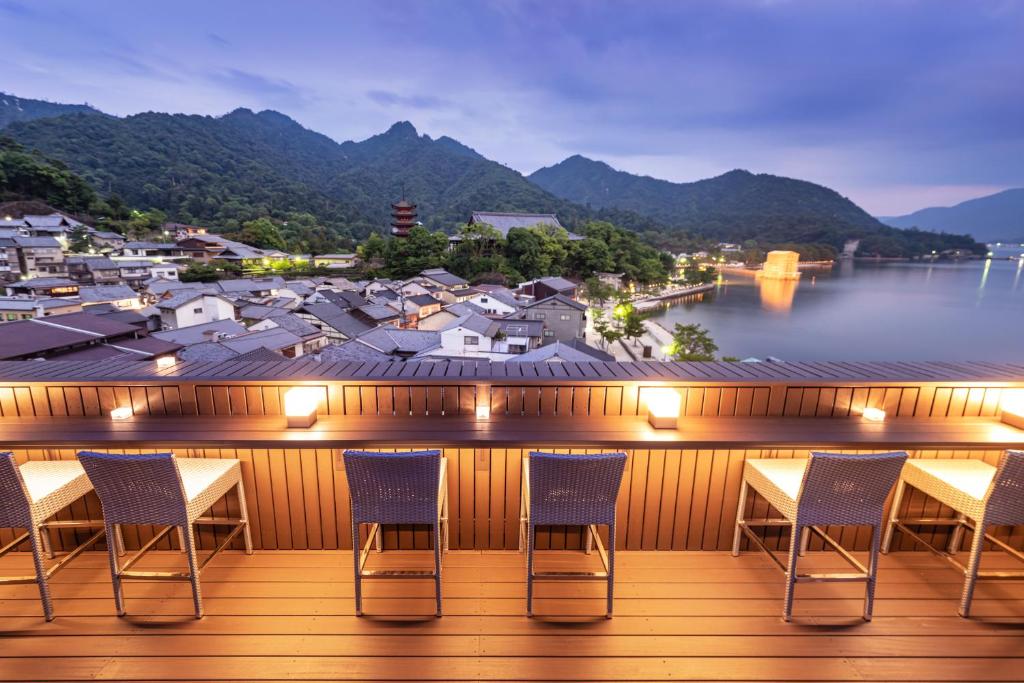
(30, 495)
(778, 480)
(981, 495)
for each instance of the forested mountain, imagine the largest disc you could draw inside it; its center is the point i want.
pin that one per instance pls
(997, 217)
(735, 207)
(22, 109)
(234, 168)
(228, 170)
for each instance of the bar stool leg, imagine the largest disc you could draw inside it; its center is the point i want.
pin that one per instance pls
(41, 579)
(444, 520)
(44, 536)
(957, 537)
(437, 566)
(193, 571)
(243, 508)
(115, 570)
(529, 569)
(740, 510)
(971, 575)
(794, 553)
(869, 585)
(894, 516)
(805, 540)
(611, 570)
(118, 540)
(588, 532)
(358, 574)
(378, 539)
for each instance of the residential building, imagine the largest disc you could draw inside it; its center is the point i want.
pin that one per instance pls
(161, 249)
(35, 256)
(277, 339)
(544, 287)
(564, 319)
(137, 272)
(519, 336)
(414, 308)
(338, 261)
(562, 352)
(376, 314)
(401, 343)
(255, 286)
(107, 240)
(313, 339)
(190, 307)
(121, 297)
(26, 307)
(44, 286)
(496, 301)
(469, 335)
(449, 286)
(183, 231)
(207, 248)
(93, 270)
(203, 332)
(337, 324)
(78, 336)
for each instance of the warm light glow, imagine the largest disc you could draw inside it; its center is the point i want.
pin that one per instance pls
(483, 412)
(164, 362)
(873, 414)
(122, 413)
(300, 404)
(662, 407)
(1012, 407)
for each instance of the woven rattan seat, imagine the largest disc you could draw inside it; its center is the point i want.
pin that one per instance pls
(158, 488)
(810, 494)
(980, 495)
(397, 488)
(572, 490)
(30, 495)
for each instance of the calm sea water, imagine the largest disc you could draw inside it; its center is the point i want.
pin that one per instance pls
(869, 311)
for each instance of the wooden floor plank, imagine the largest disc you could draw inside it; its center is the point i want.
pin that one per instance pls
(679, 616)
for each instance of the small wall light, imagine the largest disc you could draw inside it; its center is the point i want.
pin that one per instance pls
(873, 414)
(300, 404)
(122, 413)
(483, 413)
(164, 362)
(662, 407)
(1012, 408)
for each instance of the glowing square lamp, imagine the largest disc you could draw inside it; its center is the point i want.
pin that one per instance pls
(300, 404)
(1012, 408)
(873, 414)
(483, 413)
(122, 413)
(164, 362)
(663, 407)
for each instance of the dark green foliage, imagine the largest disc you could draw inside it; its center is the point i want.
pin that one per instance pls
(692, 342)
(29, 175)
(733, 207)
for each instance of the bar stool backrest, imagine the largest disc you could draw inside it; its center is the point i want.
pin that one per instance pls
(393, 488)
(574, 489)
(136, 489)
(847, 489)
(1004, 502)
(14, 503)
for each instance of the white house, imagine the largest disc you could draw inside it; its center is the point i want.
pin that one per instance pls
(192, 307)
(496, 303)
(469, 335)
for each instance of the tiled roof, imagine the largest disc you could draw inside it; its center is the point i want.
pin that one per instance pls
(100, 293)
(37, 242)
(505, 221)
(559, 299)
(443, 277)
(352, 350)
(179, 299)
(193, 334)
(475, 323)
(394, 340)
(553, 352)
(338, 319)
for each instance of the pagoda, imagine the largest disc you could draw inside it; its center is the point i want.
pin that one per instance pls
(403, 215)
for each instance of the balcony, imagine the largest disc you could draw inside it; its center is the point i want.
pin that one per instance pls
(685, 609)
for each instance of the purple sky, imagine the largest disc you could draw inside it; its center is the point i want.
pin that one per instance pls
(897, 105)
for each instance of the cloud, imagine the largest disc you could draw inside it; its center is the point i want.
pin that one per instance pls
(392, 99)
(260, 87)
(218, 40)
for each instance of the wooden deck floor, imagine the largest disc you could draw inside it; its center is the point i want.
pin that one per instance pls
(679, 616)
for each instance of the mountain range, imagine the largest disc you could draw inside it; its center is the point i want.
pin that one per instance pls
(996, 217)
(233, 168)
(14, 108)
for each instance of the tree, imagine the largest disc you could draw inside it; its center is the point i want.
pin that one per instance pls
(597, 292)
(422, 249)
(691, 342)
(199, 272)
(79, 241)
(262, 233)
(631, 321)
(608, 333)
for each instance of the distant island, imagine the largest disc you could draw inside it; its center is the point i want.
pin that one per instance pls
(995, 218)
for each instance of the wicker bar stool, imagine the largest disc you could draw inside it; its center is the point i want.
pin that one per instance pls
(981, 495)
(571, 490)
(397, 488)
(30, 495)
(826, 489)
(160, 489)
